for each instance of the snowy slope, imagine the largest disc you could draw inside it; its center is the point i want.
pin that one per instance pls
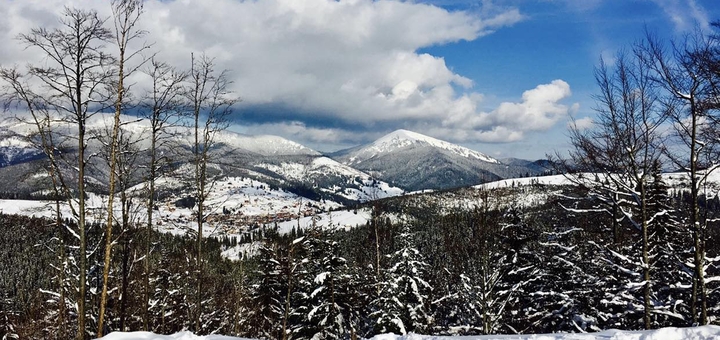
(15, 150)
(413, 161)
(692, 333)
(676, 180)
(265, 145)
(542, 180)
(332, 177)
(400, 139)
(140, 129)
(14, 147)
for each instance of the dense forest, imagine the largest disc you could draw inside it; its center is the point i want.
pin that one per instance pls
(418, 266)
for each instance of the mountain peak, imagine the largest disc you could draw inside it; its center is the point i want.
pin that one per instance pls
(405, 135)
(401, 138)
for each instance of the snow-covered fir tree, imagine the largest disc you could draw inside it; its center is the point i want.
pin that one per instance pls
(268, 293)
(327, 292)
(403, 299)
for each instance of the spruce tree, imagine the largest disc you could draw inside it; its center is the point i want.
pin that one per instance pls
(403, 300)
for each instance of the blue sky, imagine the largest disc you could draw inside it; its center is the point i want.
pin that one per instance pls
(561, 40)
(501, 77)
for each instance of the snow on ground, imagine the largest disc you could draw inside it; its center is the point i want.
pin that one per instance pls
(673, 179)
(367, 188)
(692, 333)
(151, 336)
(239, 205)
(241, 251)
(93, 206)
(681, 180)
(341, 219)
(512, 182)
(236, 206)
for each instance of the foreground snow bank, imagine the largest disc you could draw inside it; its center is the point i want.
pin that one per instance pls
(693, 333)
(153, 336)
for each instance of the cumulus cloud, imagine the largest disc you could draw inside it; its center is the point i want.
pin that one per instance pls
(539, 110)
(330, 65)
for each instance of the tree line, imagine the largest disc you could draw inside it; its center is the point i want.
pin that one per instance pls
(657, 108)
(491, 267)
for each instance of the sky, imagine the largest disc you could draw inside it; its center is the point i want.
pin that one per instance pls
(503, 77)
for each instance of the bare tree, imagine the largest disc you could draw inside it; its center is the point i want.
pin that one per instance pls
(17, 93)
(691, 104)
(162, 106)
(126, 14)
(72, 84)
(127, 171)
(621, 150)
(211, 103)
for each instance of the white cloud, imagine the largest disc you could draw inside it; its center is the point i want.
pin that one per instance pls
(685, 14)
(581, 124)
(348, 61)
(539, 110)
(296, 130)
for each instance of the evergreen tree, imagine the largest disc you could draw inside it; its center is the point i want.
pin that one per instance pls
(403, 299)
(331, 311)
(668, 252)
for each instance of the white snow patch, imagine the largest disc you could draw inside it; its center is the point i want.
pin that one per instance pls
(670, 333)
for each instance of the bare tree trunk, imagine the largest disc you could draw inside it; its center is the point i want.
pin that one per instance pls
(111, 195)
(81, 231)
(124, 287)
(699, 291)
(200, 192)
(208, 95)
(126, 14)
(162, 106)
(647, 304)
(148, 236)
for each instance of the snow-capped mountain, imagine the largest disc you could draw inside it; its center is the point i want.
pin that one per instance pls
(272, 160)
(398, 162)
(265, 145)
(414, 161)
(400, 140)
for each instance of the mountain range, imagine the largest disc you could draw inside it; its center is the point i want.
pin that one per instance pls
(399, 162)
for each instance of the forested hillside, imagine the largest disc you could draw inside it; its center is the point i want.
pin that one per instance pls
(491, 266)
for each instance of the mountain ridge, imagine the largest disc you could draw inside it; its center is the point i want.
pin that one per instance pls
(398, 162)
(415, 161)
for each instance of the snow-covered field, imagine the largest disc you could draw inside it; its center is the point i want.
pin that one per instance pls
(236, 206)
(693, 333)
(239, 205)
